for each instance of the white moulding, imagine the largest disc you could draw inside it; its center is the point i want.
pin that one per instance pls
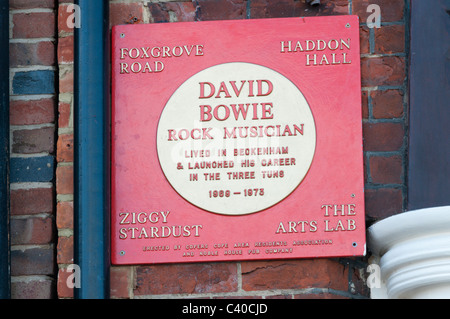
(412, 250)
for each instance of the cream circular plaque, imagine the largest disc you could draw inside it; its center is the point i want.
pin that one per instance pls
(236, 138)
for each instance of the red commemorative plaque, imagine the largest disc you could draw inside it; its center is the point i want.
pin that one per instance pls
(237, 140)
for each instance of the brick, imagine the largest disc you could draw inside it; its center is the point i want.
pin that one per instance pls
(66, 79)
(121, 279)
(64, 291)
(34, 141)
(31, 201)
(29, 4)
(33, 169)
(33, 261)
(358, 276)
(31, 231)
(66, 49)
(286, 8)
(286, 296)
(65, 148)
(365, 165)
(220, 10)
(64, 250)
(34, 289)
(45, 53)
(294, 274)
(186, 278)
(64, 113)
(331, 7)
(387, 104)
(387, 70)
(64, 215)
(172, 12)
(383, 137)
(63, 16)
(25, 25)
(126, 13)
(25, 54)
(386, 170)
(391, 10)
(238, 297)
(32, 112)
(34, 82)
(365, 104)
(383, 202)
(364, 39)
(390, 39)
(64, 180)
(319, 295)
(159, 13)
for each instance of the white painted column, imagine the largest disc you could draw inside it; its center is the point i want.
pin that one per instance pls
(413, 253)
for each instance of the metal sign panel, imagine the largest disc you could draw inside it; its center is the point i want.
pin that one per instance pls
(237, 140)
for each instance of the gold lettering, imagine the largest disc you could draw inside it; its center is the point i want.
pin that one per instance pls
(158, 232)
(343, 43)
(340, 225)
(351, 225)
(340, 209)
(345, 59)
(124, 68)
(351, 210)
(199, 50)
(280, 228)
(122, 53)
(298, 47)
(154, 52)
(326, 209)
(308, 59)
(133, 56)
(334, 59)
(324, 60)
(284, 46)
(122, 222)
(315, 45)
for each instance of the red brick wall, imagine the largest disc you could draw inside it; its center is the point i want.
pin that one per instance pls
(33, 129)
(35, 117)
(64, 170)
